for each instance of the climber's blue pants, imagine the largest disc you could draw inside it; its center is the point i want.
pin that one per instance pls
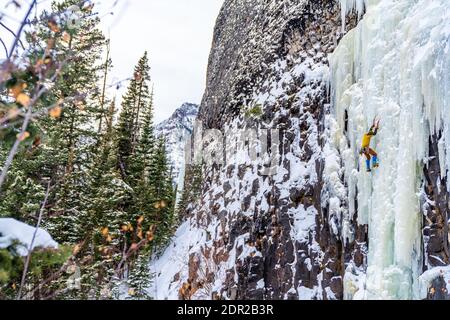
(374, 160)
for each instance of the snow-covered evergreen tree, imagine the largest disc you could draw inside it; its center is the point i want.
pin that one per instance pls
(135, 102)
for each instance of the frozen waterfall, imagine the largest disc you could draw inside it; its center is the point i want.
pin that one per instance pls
(396, 65)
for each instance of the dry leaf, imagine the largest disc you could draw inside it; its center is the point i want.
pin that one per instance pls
(105, 231)
(23, 99)
(66, 37)
(13, 113)
(53, 26)
(131, 292)
(17, 89)
(23, 136)
(55, 112)
(76, 249)
(140, 220)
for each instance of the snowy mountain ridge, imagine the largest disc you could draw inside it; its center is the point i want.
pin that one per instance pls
(176, 130)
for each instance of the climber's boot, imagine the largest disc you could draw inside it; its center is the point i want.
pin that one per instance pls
(375, 162)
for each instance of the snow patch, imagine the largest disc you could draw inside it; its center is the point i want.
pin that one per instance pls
(428, 276)
(12, 231)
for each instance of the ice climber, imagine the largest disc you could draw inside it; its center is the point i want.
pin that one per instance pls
(367, 150)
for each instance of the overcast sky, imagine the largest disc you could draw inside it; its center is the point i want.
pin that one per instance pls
(176, 33)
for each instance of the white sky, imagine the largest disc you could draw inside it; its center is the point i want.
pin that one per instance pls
(176, 33)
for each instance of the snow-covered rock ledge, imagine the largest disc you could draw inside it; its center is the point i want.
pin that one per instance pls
(427, 278)
(13, 231)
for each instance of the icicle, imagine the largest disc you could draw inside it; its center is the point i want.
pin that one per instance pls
(348, 6)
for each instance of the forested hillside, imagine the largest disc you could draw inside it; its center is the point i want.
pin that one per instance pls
(74, 162)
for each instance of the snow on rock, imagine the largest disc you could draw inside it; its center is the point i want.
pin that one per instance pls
(12, 231)
(170, 269)
(264, 236)
(428, 276)
(200, 253)
(320, 228)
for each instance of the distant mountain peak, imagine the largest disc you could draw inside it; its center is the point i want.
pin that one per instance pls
(176, 129)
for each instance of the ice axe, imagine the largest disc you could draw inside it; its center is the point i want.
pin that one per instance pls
(376, 122)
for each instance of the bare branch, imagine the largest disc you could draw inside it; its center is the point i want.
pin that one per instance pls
(12, 32)
(45, 110)
(19, 33)
(4, 46)
(15, 147)
(127, 254)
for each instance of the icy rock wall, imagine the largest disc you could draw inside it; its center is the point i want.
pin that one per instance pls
(321, 228)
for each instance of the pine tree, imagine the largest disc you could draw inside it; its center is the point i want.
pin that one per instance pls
(143, 196)
(162, 189)
(23, 193)
(104, 212)
(139, 279)
(146, 142)
(136, 100)
(69, 135)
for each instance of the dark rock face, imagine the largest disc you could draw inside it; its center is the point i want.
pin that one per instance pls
(435, 221)
(438, 290)
(436, 210)
(249, 35)
(280, 235)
